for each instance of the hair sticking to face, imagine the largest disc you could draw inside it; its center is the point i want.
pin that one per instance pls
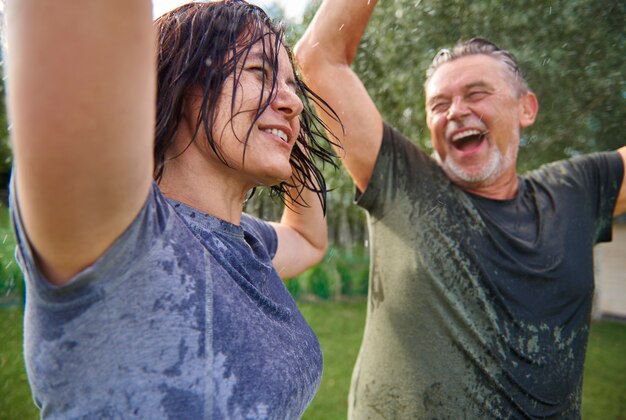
(201, 44)
(481, 46)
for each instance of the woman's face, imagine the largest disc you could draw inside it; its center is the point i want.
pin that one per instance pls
(273, 134)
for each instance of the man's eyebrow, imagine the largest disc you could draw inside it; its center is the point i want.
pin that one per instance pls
(478, 84)
(481, 84)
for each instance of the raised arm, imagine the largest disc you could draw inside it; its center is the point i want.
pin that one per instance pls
(620, 205)
(325, 54)
(81, 86)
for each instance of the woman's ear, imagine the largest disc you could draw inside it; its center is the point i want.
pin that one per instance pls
(528, 108)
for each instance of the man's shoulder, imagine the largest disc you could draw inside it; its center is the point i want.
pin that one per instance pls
(578, 166)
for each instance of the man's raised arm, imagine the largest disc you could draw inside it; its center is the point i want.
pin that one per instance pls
(325, 54)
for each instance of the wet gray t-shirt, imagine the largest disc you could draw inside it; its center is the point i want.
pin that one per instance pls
(184, 317)
(479, 308)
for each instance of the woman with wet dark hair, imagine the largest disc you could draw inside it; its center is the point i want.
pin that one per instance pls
(149, 293)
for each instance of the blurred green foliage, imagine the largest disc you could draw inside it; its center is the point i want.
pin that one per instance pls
(343, 273)
(5, 149)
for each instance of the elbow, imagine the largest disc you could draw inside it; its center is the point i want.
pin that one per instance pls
(315, 58)
(321, 253)
(305, 260)
(317, 254)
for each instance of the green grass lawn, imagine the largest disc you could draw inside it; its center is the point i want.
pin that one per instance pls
(15, 399)
(339, 326)
(604, 384)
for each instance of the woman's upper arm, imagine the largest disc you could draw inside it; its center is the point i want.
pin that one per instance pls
(81, 98)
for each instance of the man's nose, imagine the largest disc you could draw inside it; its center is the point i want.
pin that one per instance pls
(458, 109)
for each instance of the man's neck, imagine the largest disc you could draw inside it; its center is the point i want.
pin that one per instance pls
(504, 188)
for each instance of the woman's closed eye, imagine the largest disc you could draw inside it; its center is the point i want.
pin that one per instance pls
(264, 72)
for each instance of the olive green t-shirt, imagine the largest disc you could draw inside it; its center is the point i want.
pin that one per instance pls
(479, 308)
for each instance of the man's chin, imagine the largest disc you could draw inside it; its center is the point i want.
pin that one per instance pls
(468, 179)
(475, 174)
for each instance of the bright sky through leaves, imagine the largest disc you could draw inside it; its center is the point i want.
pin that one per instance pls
(293, 8)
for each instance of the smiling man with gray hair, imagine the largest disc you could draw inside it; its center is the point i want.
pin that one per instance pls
(481, 279)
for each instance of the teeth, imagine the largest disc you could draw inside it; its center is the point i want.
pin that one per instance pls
(279, 133)
(464, 134)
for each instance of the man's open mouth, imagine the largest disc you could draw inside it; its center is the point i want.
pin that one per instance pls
(468, 140)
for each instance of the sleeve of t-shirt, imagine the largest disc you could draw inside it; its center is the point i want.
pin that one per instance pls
(601, 175)
(134, 243)
(595, 180)
(262, 231)
(400, 168)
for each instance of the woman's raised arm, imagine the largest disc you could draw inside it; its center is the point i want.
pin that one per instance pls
(81, 98)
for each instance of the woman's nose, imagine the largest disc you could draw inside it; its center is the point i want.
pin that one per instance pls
(287, 101)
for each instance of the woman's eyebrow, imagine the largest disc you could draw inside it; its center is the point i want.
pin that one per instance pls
(261, 56)
(255, 56)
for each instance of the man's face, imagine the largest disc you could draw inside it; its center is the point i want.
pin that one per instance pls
(475, 119)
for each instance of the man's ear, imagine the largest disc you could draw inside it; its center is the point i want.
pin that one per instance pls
(528, 108)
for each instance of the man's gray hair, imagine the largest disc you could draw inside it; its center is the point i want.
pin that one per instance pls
(481, 46)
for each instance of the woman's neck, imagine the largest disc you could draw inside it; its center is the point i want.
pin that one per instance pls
(207, 186)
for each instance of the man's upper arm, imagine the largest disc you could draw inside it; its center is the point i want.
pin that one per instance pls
(81, 85)
(325, 55)
(620, 204)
